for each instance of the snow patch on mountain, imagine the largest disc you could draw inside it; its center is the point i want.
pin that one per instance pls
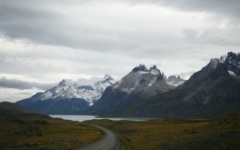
(139, 78)
(175, 84)
(231, 61)
(101, 85)
(231, 73)
(154, 70)
(68, 89)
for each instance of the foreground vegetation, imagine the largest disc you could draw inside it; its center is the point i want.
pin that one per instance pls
(175, 134)
(23, 130)
(20, 129)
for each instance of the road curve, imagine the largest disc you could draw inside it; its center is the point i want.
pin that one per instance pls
(108, 142)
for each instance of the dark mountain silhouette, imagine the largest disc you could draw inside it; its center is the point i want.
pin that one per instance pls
(210, 92)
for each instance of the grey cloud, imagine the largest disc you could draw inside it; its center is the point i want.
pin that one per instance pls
(43, 22)
(40, 22)
(53, 28)
(96, 41)
(31, 23)
(43, 25)
(223, 7)
(208, 37)
(22, 85)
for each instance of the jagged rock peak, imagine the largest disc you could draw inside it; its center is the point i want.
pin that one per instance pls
(141, 67)
(231, 61)
(66, 82)
(231, 56)
(154, 70)
(174, 80)
(107, 77)
(153, 67)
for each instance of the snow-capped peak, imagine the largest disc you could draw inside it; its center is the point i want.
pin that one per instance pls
(104, 83)
(68, 89)
(138, 79)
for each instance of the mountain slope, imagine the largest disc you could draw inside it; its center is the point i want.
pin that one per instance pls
(7, 106)
(139, 83)
(67, 97)
(140, 79)
(210, 92)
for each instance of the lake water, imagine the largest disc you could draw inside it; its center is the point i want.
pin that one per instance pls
(81, 118)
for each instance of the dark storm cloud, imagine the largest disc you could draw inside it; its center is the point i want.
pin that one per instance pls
(22, 85)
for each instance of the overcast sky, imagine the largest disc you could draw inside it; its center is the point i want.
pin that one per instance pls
(43, 42)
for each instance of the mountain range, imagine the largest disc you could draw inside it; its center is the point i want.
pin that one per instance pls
(210, 92)
(70, 97)
(139, 83)
(67, 97)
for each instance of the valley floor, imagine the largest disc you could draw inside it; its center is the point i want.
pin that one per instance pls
(27, 132)
(20, 129)
(175, 134)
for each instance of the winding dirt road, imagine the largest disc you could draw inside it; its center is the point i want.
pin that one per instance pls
(108, 142)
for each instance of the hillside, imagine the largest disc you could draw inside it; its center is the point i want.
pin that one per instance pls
(22, 129)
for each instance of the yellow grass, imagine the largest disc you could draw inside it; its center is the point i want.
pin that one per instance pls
(171, 134)
(51, 134)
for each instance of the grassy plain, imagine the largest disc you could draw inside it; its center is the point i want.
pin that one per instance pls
(177, 134)
(28, 131)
